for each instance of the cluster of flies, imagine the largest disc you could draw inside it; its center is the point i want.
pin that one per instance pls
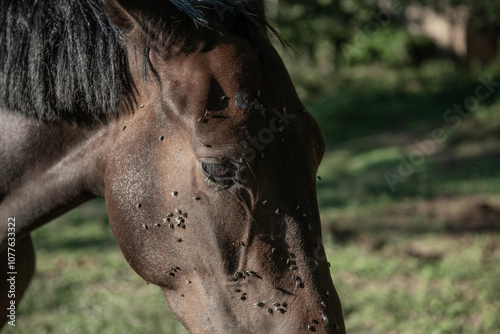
(173, 219)
(172, 271)
(280, 307)
(276, 307)
(178, 221)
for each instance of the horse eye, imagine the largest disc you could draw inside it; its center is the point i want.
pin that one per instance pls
(218, 171)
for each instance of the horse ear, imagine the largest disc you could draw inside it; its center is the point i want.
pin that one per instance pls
(121, 13)
(126, 13)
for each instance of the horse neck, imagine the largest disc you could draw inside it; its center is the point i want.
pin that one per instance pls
(47, 168)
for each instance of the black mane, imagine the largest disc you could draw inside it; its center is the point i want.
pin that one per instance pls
(64, 58)
(60, 58)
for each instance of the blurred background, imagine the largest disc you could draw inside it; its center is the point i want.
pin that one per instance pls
(407, 95)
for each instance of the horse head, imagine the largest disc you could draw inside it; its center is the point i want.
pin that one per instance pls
(210, 183)
(182, 115)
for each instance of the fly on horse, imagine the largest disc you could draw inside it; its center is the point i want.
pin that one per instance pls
(182, 116)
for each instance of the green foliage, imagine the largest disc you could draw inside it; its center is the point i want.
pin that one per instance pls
(488, 9)
(390, 46)
(327, 35)
(307, 24)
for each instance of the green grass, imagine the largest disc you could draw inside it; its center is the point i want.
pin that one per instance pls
(389, 290)
(395, 265)
(372, 126)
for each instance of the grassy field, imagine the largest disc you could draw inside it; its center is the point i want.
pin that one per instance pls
(420, 257)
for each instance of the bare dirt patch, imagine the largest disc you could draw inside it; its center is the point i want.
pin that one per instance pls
(482, 217)
(442, 215)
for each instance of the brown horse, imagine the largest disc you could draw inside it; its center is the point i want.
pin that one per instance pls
(182, 116)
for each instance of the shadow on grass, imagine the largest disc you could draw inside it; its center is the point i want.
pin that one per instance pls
(372, 126)
(369, 107)
(371, 116)
(449, 177)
